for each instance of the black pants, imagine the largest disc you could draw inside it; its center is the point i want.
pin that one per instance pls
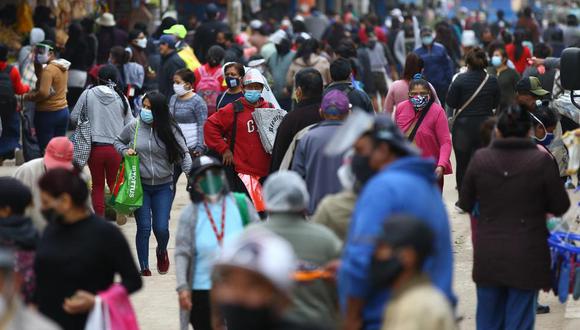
(200, 316)
(466, 140)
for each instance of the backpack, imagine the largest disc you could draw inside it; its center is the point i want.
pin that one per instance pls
(7, 100)
(209, 88)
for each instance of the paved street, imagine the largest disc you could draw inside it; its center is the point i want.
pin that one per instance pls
(156, 304)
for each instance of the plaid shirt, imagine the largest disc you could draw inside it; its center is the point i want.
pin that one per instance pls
(27, 71)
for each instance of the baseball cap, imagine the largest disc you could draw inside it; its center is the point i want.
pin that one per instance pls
(401, 231)
(335, 103)
(14, 194)
(262, 252)
(384, 129)
(59, 153)
(532, 85)
(177, 30)
(168, 39)
(285, 191)
(202, 163)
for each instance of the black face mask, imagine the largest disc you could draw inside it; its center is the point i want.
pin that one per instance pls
(52, 216)
(243, 318)
(232, 82)
(361, 168)
(384, 273)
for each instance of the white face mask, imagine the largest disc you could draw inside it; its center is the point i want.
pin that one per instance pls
(42, 59)
(180, 90)
(142, 43)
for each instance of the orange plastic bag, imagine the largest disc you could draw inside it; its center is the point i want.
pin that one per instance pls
(254, 188)
(24, 18)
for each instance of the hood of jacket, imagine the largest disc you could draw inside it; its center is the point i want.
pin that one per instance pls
(312, 61)
(19, 232)
(104, 94)
(62, 64)
(414, 164)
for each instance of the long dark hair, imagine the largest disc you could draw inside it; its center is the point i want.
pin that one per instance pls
(108, 77)
(307, 48)
(519, 37)
(413, 65)
(165, 126)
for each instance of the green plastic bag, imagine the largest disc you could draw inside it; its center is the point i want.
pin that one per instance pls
(127, 195)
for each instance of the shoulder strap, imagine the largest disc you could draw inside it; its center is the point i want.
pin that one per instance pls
(136, 131)
(201, 72)
(7, 69)
(242, 207)
(415, 127)
(221, 99)
(238, 107)
(473, 96)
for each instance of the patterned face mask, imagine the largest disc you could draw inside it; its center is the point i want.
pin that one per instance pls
(419, 101)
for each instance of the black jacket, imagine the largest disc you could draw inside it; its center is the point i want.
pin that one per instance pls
(515, 186)
(465, 85)
(169, 64)
(306, 113)
(357, 98)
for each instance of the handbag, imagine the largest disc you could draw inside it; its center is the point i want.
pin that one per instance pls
(467, 103)
(81, 138)
(127, 194)
(267, 121)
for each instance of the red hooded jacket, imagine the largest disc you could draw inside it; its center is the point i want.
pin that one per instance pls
(249, 154)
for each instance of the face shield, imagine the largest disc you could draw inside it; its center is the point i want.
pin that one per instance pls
(211, 183)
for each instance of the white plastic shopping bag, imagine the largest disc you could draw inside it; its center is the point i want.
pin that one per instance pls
(97, 319)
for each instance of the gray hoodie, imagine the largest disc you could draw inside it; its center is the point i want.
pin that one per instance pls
(154, 166)
(106, 113)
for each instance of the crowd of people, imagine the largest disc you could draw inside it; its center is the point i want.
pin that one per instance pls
(315, 150)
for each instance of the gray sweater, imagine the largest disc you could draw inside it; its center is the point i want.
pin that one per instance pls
(154, 166)
(106, 113)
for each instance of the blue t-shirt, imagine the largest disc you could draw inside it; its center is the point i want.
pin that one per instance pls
(207, 247)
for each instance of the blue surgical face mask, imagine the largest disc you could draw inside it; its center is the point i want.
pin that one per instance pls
(496, 61)
(548, 138)
(252, 96)
(146, 115)
(427, 40)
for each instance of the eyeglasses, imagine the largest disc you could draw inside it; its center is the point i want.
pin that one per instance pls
(413, 94)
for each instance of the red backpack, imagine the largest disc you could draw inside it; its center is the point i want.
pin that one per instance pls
(209, 88)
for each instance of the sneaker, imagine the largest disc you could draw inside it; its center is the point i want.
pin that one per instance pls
(145, 272)
(542, 309)
(458, 209)
(121, 219)
(162, 262)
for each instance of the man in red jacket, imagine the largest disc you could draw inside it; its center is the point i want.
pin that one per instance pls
(233, 134)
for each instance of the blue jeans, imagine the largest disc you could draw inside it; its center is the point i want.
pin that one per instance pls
(156, 207)
(505, 308)
(50, 124)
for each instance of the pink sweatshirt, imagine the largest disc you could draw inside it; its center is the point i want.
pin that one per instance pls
(399, 92)
(432, 137)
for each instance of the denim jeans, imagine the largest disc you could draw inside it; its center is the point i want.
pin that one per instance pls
(503, 308)
(50, 124)
(154, 214)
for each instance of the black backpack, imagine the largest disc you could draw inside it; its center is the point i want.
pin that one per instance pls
(7, 99)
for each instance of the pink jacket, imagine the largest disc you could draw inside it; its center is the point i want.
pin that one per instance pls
(432, 137)
(399, 92)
